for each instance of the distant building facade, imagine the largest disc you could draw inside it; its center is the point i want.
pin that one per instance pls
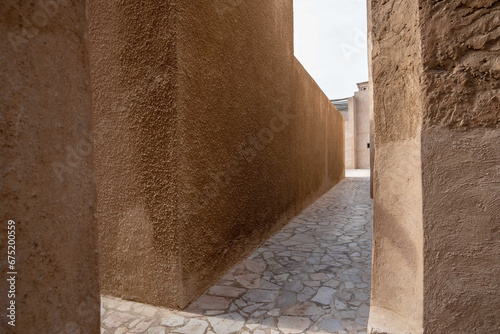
(356, 112)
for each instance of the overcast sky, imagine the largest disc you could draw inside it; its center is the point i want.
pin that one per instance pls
(330, 41)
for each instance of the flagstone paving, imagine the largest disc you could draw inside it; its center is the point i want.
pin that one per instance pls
(311, 277)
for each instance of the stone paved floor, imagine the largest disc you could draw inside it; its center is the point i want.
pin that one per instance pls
(311, 277)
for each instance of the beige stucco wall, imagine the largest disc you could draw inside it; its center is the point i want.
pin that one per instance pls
(210, 137)
(437, 116)
(357, 129)
(47, 183)
(397, 274)
(350, 137)
(362, 114)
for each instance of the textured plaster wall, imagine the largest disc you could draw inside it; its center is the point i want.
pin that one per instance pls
(134, 75)
(357, 129)
(362, 114)
(397, 283)
(449, 133)
(350, 137)
(47, 184)
(461, 166)
(210, 137)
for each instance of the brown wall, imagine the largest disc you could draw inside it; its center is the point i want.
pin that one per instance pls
(134, 72)
(436, 237)
(461, 166)
(47, 184)
(211, 136)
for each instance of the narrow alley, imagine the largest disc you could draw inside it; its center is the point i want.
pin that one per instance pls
(311, 277)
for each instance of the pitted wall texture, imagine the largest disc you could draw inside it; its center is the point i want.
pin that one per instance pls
(454, 116)
(461, 166)
(397, 297)
(134, 75)
(211, 136)
(47, 181)
(461, 63)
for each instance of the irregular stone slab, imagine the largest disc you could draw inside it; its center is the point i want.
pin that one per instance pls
(135, 322)
(324, 296)
(313, 260)
(226, 291)
(240, 303)
(125, 307)
(212, 313)
(318, 277)
(267, 323)
(304, 309)
(289, 325)
(332, 283)
(142, 326)
(264, 296)
(312, 283)
(194, 326)
(156, 330)
(149, 311)
(361, 296)
(281, 278)
(364, 311)
(172, 321)
(303, 238)
(288, 298)
(340, 305)
(252, 308)
(288, 243)
(249, 281)
(206, 302)
(227, 324)
(266, 285)
(308, 291)
(347, 314)
(255, 266)
(116, 319)
(274, 313)
(349, 285)
(344, 295)
(121, 330)
(295, 286)
(331, 325)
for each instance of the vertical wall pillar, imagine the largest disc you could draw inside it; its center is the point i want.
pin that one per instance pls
(47, 183)
(362, 120)
(370, 94)
(351, 139)
(436, 176)
(397, 286)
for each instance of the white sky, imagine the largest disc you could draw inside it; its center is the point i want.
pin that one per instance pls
(330, 41)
